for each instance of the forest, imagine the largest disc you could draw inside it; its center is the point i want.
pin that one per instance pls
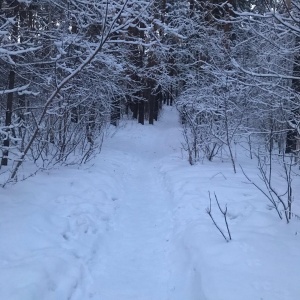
(71, 68)
(149, 149)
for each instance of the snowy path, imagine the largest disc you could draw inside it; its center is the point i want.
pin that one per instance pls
(134, 260)
(135, 264)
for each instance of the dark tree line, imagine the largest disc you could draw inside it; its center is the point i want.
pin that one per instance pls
(71, 68)
(68, 69)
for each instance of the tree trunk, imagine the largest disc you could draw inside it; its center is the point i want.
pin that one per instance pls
(134, 109)
(292, 134)
(151, 108)
(141, 119)
(14, 6)
(115, 113)
(8, 117)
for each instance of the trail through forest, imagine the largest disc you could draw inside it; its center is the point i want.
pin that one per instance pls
(133, 260)
(104, 231)
(136, 259)
(132, 225)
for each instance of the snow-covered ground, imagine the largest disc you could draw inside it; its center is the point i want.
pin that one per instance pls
(133, 226)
